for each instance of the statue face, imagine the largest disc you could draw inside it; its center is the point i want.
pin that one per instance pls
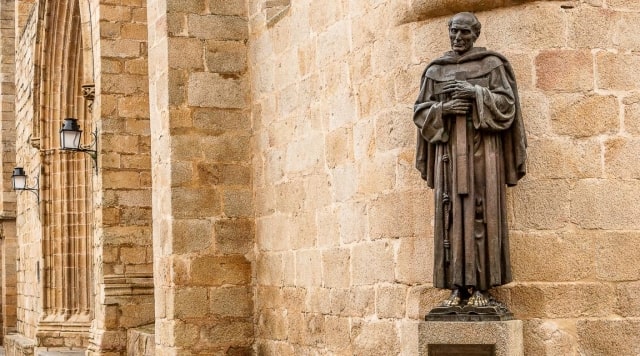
(461, 34)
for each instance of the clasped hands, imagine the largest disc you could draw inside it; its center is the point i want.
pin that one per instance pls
(462, 95)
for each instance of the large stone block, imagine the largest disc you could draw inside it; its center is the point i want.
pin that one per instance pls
(214, 90)
(538, 29)
(186, 53)
(231, 301)
(337, 332)
(391, 301)
(560, 300)
(584, 115)
(336, 266)
(309, 268)
(191, 235)
(226, 56)
(553, 256)
(550, 337)
(564, 70)
(621, 158)
(541, 204)
(194, 203)
(317, 300)
(615, 258)
(273, 324)
(187, 6)
(372, 262)
(414, 263)
(218, 271)
(377, 174)
(564, 158)
(234, 236)
(215, 27)
(402, 214)
(390, 135)
(591, 27)
(624, 5)
(339, 147)
(269, 269)
(354, 302)
(375, 337)
(606, 204)
(229, 333)
(616, 71)
(608, 337)
(632, 114)
(627, 303)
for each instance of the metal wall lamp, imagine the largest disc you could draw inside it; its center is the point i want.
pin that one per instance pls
(19, 182)
(70, 135)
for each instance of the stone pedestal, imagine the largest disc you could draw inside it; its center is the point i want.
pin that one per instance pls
(505, 336)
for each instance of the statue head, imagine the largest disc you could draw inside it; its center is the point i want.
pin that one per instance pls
(464, 29)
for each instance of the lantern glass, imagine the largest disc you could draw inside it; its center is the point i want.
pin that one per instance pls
(70, 134)
(19, 179)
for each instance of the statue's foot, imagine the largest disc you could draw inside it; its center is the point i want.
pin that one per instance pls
(479, 299)
(453, 300)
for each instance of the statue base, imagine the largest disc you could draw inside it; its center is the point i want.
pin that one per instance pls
(499, 338)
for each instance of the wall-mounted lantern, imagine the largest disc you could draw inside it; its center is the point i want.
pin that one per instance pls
(19, 182)
(70, 135)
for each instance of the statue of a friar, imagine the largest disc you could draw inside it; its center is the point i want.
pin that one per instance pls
(471, 146)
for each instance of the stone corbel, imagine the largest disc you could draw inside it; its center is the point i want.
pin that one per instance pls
(420, 10)
(89, 94)
(275, 10)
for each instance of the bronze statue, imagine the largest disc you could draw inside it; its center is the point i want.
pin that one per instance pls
(471, 145)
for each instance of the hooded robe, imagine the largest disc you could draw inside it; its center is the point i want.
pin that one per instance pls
(474, 222)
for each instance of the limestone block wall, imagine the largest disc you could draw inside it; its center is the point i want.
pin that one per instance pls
(123, 264)
(343, 221)
(8, 160)
(202, 180)
(29, 228)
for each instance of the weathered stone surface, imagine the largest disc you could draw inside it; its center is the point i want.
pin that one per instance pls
(553, 257)
(564, 70)
(541, 204)
(605, 204)
(550, 337)
(596, 114)
(561, 158)
(601, 337)
(615, 70)
(213, 90)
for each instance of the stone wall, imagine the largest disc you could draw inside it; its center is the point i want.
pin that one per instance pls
(28, 224)
(344, 222)
(8, 161)
(123, 264)
(202, 183)
(256, 189)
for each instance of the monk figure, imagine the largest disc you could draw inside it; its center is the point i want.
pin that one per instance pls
(471, 146)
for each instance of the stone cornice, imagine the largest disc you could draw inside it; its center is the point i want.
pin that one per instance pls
(419, 10)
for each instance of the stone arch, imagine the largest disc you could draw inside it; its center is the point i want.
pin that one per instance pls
(63, 63)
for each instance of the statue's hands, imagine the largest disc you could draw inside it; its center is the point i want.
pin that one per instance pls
(460, 89)
(456, 107)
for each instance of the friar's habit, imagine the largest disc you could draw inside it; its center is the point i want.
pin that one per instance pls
(472, 223)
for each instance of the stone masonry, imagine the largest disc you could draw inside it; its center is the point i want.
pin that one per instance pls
(255, 190)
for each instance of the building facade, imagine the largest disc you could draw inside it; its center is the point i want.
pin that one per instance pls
(253, 189)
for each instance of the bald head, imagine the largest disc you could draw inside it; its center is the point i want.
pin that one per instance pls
(464, 29)
(467, 18)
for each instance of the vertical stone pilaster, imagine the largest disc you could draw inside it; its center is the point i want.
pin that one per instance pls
(7, 162)
(123, 247)
(201, 153)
